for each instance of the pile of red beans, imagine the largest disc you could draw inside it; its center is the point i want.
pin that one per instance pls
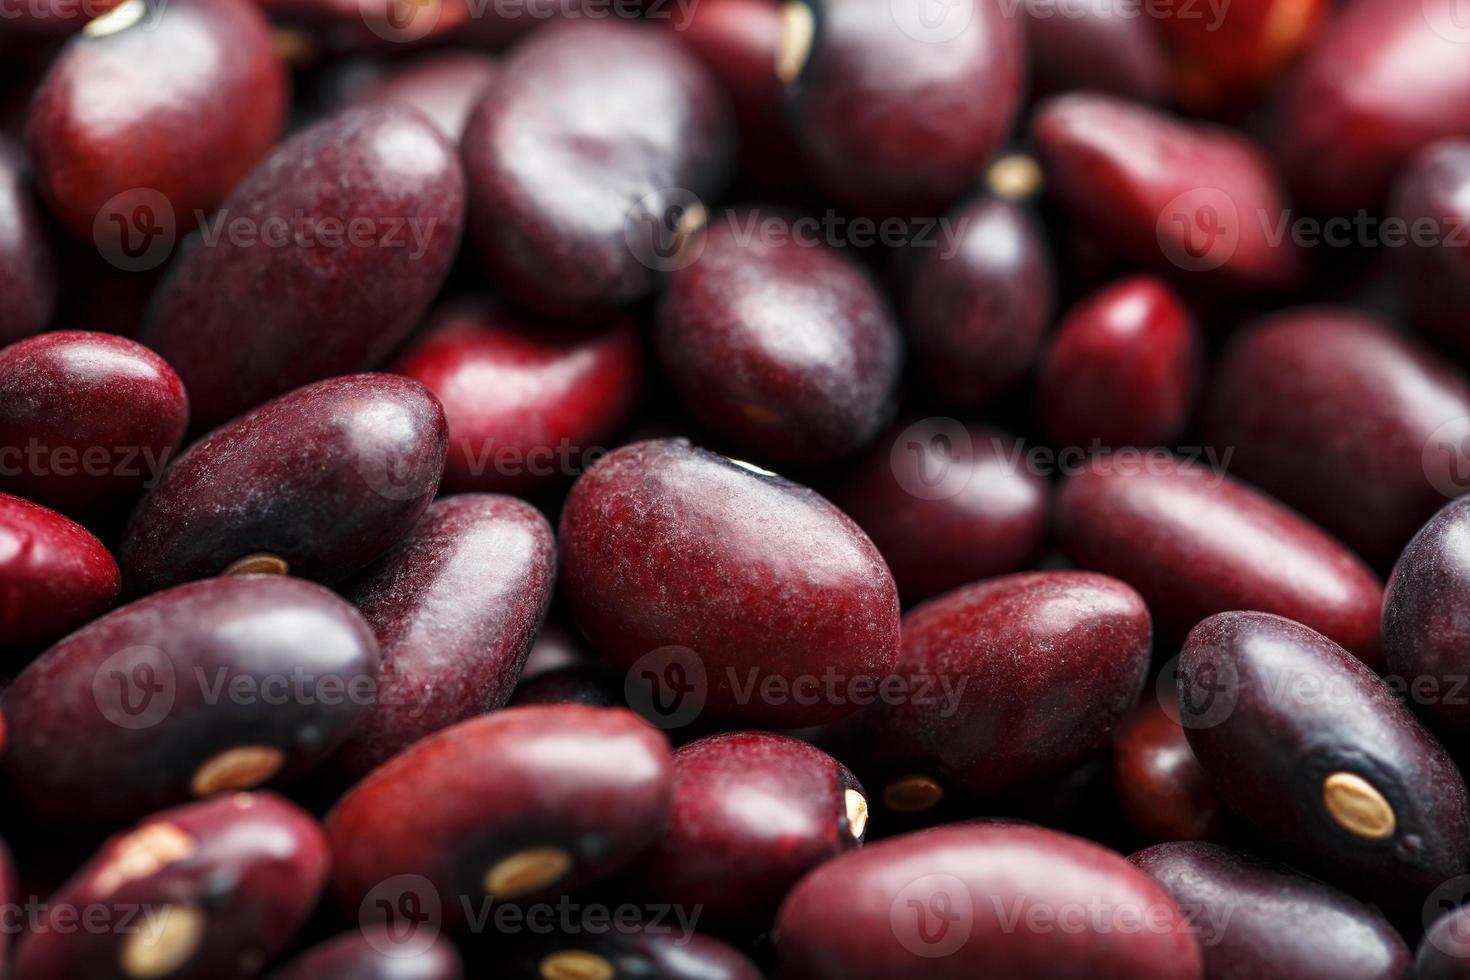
(396, 581)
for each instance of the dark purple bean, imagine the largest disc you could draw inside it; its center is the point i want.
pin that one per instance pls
(1101, 47)
(1256, 918)
(668, 953)
(455, 606)
(325, 479)
(319, 264)
(1313, 751)
(219, 685)
(376, 953)
(1444, 952)
(27, 268)
(562, 179)
(445, 87)
(208, 891)
(1433, 192)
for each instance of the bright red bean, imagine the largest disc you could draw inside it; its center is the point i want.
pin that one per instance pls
(54, 575)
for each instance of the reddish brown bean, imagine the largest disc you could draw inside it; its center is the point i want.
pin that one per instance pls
(325, 479)
(455, 606)
(1344, 419)
(319, 264)
(1163, 791)
(983, 900)
(1432, 198)
(54, 575)
(519, 805)
(1196, 542)
(1096, 46)
(752, 589)
(211, 891)
(152, 114)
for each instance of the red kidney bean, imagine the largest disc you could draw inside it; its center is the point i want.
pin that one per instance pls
(445, 87)
(738, 41)
(882, 911)
(670, 954)
(575, 198)
(1163, 791)
(54, 575)
(1385, 79)
(1122, 368)
(1426, 609)
(1328, 397)
(323, 479)
(1228, 58)
(1258, 918)
(210, 891)
(27, 268)
(1186, 198)
(1442, 953)
(525, 399)
(947, 503)
(783, 346)
(1098, 46)
(1009, 681)
(976, 305)
(895, 113)
(1432, 197)
(1196, 542)
(354, 222)
(88, 420)
(750, 588)
(150, 116)
(753, 812)
(517, 805)
(213, 686)
(1318, 756)
(375, 953)
(455, 606)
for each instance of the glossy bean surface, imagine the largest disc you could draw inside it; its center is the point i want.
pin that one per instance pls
(54, 574)
(1162, 790)
(445, 87)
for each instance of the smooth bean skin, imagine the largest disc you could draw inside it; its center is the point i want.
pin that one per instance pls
(738, 575)
(1099, 47)
(110, 406)
(880, 912)
(585, 789)
(947, 504)
(1024, 677)
(375, 953)
(28, 275)
(1277, 713)
(455, 607)
(444, 86)
(1383, 80)
(1326, 397)
(1426, 617)
(181, 103)
(646, 954)
(561, 179)
(217, 685)
(1261, 919)
(1435, 187)
(1122, 369)
(525, 398)
(975, 315)
(1442, 953)
(1184, 198)
(305, 299)
(894, 119)
(1162, 790)
(229, 882)
(1195, 542)
(54, 574)
(753, 812)
(327, 477)
(787, 349)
